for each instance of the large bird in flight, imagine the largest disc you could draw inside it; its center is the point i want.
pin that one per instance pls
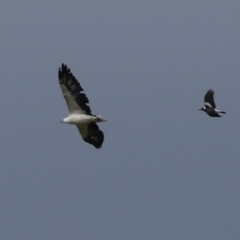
(79, 110)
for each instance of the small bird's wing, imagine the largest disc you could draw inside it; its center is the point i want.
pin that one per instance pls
(209, 99)
(72, 91)
(91, 133)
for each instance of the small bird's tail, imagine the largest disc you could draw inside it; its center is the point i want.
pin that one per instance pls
(218, 111)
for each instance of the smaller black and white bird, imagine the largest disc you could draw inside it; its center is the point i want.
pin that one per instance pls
(79, 110)
(210, 107)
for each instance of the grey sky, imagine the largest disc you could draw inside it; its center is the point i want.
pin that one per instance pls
(166, 170)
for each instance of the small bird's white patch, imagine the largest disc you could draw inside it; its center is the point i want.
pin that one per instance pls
(208, 104)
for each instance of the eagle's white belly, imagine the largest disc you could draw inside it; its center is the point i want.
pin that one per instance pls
(79, 119)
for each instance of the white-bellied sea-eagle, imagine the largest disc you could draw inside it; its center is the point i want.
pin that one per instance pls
(79, 110)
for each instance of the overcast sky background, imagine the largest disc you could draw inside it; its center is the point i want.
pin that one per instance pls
(166, 170)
